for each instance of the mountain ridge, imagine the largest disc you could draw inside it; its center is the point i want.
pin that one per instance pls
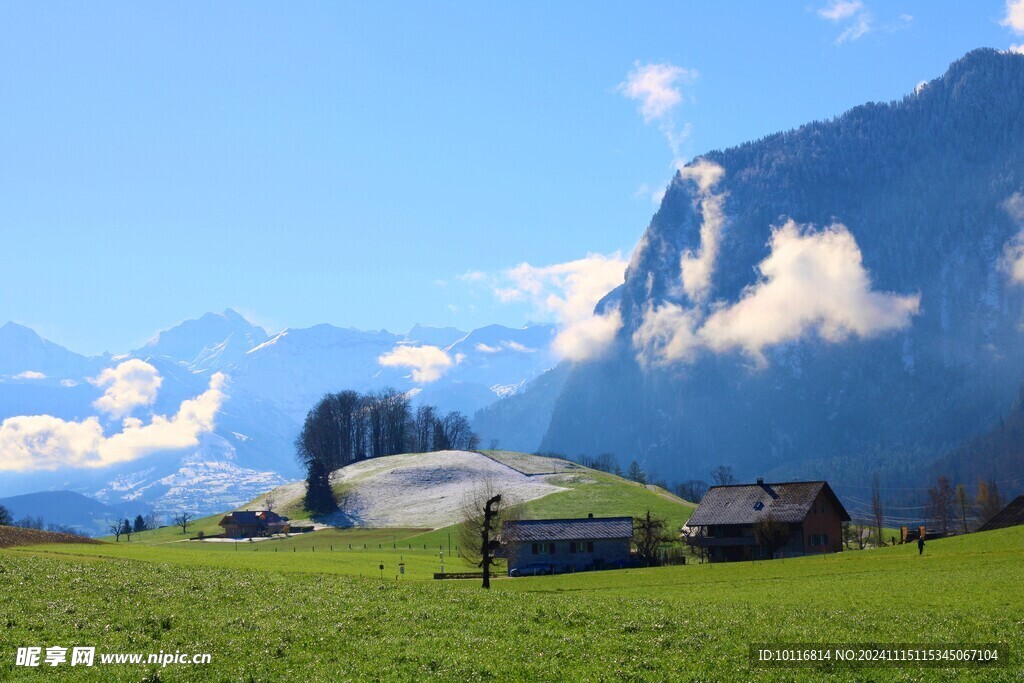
(921, 184)
(272, 382)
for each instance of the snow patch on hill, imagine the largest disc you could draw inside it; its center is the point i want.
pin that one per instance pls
(420, 490)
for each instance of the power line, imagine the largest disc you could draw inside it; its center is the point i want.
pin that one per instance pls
(917, 488)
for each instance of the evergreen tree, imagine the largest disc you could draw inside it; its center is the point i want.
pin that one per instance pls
(319, 495)
(636, 473)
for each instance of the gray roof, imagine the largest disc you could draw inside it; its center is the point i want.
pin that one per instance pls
(1011, 515)
(260, 517)
(750, 503)
(585, 529)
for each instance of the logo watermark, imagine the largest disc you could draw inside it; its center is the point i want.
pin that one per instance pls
(55, 655)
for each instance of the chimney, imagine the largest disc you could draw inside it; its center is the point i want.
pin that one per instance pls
(590, 515)
(760, 481)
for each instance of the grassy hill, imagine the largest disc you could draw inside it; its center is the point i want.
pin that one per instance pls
(11, 536)
(299, 613)
(546, 487)
(576, 491)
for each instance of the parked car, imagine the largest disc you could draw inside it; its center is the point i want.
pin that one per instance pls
(533, 569)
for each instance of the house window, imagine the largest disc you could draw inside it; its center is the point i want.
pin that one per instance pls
(534, 549)
(551, 548)
(590, 546)
(581, 547)
(819, 539)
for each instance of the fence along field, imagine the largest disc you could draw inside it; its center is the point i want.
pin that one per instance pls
(319, 616)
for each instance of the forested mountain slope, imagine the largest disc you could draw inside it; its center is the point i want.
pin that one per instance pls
(925, 354)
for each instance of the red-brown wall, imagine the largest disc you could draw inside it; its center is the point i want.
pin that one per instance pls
(823, 519)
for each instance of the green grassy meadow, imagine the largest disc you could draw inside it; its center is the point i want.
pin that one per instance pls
(608, 495)
(321, 615)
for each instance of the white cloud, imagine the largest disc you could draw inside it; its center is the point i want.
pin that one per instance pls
(68, 383)
(30, 374)
(1012, 262)
(838, 10)
(131, 384)
(588, 338)
(428, 363)
(1014, 205)
(44, 442)
(656, 87)
(704, 173)
(857, 20)
(517, 347)
(1014, 19)
(812, 283)
(698, 268)
(667, 334)
(473, 276)
(503, 346)
(855, 31)
(569, 292)
(1018, 49)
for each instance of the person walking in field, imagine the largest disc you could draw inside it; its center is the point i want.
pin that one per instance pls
(920, 545)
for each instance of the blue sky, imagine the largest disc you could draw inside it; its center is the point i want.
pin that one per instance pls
(347, 163)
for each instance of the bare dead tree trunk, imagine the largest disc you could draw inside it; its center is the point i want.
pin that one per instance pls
(486, 546)
(876, 509)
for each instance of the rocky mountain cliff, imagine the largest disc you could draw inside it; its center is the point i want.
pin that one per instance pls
(739, 346)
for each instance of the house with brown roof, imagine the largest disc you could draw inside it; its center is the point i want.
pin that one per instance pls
(248, 524)
(552, 546)
(726, 520)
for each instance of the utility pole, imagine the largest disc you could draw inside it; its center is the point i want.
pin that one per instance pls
(487, 545)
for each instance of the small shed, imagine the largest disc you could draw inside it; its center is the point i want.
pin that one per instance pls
(564, 545)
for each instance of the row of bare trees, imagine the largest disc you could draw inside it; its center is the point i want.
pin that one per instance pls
(346, 427)
(37, 523)
(127, 528)
(947, 509)
(954, 510)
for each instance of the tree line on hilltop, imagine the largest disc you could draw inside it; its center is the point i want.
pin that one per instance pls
(117, 528)
(347, 427)
(37, 523)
